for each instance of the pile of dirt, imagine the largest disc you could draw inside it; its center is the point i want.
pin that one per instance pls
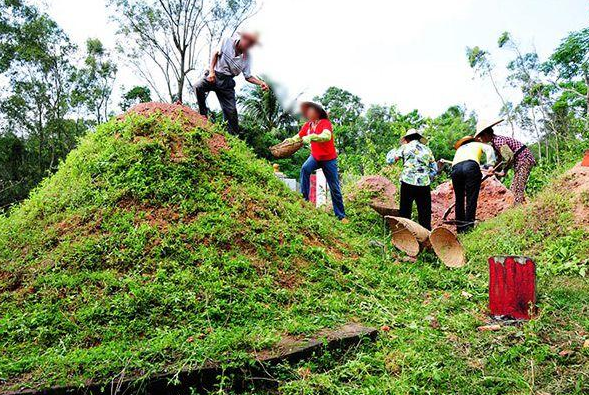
(379, 189)
(176, 112)
(576, 181)
(494, 198)
(153, 232)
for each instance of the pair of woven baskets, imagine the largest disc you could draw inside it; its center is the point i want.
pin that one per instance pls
(411, 238)
(286, 149)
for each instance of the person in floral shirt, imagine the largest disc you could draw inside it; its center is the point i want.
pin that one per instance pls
(419, 169)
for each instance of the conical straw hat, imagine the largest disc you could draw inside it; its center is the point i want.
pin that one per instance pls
(408, 236)
(447, 247)
(485, 124)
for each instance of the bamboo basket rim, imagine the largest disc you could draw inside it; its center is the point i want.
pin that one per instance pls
(286, 148)
(408, 236)
(447, 247)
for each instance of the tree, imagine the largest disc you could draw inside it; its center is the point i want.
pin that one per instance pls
(171, 37)
(95, 80)
(478, 59)
(137, 94)
(571, 61)
(265, 122)
(525, 74)
(343, 107)
(263, 111)
(41, 78)
(37, 104)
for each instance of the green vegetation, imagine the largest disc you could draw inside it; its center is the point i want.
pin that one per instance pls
(150, 245)
(148, 251)
(145, 238)
(433, 345)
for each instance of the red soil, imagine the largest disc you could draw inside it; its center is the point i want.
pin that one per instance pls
(494, 198)
(189, 118)
(187, 115)
(576, 181)
(217, 143)
(382, 190)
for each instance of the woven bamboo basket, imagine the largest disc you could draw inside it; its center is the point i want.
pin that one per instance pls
(447, 247)
(285, 149)
(384, 209)
(408, 236)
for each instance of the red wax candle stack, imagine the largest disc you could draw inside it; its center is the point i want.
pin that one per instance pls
(512, 287)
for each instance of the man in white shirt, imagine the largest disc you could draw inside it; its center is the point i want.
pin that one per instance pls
(229, 60)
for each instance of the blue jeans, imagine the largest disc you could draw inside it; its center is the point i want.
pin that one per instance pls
(329, 168)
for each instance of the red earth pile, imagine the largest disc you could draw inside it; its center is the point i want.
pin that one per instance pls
(187, 115)
(494, 198)
(381, 190)
(190, 119)
(576, 181)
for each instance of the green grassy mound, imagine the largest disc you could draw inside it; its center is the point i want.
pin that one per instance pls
(158, 246)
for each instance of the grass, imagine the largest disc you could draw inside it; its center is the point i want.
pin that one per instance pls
(136, 257)
(434, 346)
(139, 258)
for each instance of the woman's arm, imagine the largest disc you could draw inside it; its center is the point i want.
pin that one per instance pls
(299, 136)
(489, 154)
(433, 166)
(322, 137)
(394, 155)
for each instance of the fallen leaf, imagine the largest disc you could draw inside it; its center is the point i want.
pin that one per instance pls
(433, 321)
(566, 353)
(304, 372)
(494, 327)
(586, 343)
(190, 339)
(466, 294)
(385, 328)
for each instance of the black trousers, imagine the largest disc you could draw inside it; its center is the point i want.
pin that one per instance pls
(466, 180)
(422, 197)
(224, 88)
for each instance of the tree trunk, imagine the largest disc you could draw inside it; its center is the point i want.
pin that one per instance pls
(586, 76)
(509, 119)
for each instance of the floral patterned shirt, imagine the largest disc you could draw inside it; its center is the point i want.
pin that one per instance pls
(419, 165)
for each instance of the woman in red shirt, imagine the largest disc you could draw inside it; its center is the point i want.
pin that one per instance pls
(318, 132)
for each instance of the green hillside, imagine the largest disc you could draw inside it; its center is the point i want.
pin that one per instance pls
(159, 245)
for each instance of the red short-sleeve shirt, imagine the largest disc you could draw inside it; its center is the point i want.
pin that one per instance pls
(320, 150)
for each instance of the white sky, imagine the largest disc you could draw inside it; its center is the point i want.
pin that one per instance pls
(405, 52)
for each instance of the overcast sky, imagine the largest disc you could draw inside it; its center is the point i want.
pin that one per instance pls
(410, 53)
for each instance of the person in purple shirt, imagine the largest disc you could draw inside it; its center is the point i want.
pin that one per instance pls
(509, 149)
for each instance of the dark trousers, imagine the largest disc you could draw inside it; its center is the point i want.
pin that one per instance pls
(422, 197)
(466, 180)
(224, 88)
(329, 168)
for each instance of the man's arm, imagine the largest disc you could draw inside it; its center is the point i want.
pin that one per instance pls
(211, 77)
(256, 81)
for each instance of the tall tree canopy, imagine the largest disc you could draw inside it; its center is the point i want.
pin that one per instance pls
(167, 39)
